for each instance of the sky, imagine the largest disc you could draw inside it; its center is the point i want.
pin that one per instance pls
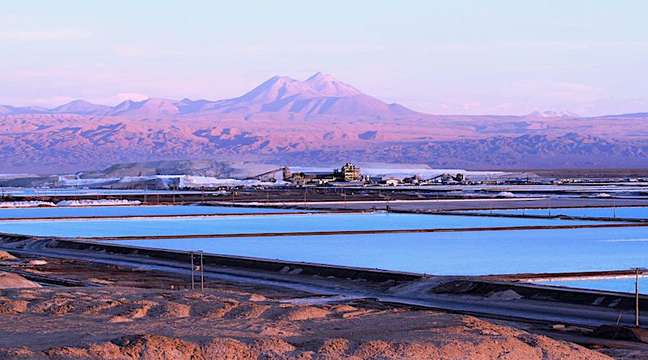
(443, 57)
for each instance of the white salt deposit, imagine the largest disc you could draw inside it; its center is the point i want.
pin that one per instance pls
(102, 202)
(24, 204)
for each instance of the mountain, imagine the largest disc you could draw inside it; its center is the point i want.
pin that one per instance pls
(14, 110)
(550, 114)
(320, 94)
(153, 107)
(5, 109)
(81, 107)
(642, 115)
(211, 167)
(320, 120)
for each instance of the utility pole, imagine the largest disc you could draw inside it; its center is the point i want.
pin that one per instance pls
(193, 285)
(637, 270)
(202, 273)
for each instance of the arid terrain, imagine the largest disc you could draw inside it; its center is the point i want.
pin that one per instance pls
(316, 121)
(121, 313)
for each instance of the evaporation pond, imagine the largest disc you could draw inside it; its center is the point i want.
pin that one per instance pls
(451, 253)
(262, 224)
(605, 212)
(625, 284)
(131, 211)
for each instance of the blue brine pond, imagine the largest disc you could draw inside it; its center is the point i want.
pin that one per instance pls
(454, 253)
(132, 211)
(263, 224)
(605, 212)
(626, 284)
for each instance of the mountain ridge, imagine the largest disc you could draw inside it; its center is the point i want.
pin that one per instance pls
(320, 94)
(313, 121)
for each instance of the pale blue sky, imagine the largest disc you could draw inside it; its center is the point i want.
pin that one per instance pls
(475, 57)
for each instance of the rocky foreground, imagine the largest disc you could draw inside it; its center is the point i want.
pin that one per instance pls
(128, 323)
(112, 312)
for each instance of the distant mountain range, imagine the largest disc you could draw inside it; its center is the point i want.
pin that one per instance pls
(319, 120)
(320, 94)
